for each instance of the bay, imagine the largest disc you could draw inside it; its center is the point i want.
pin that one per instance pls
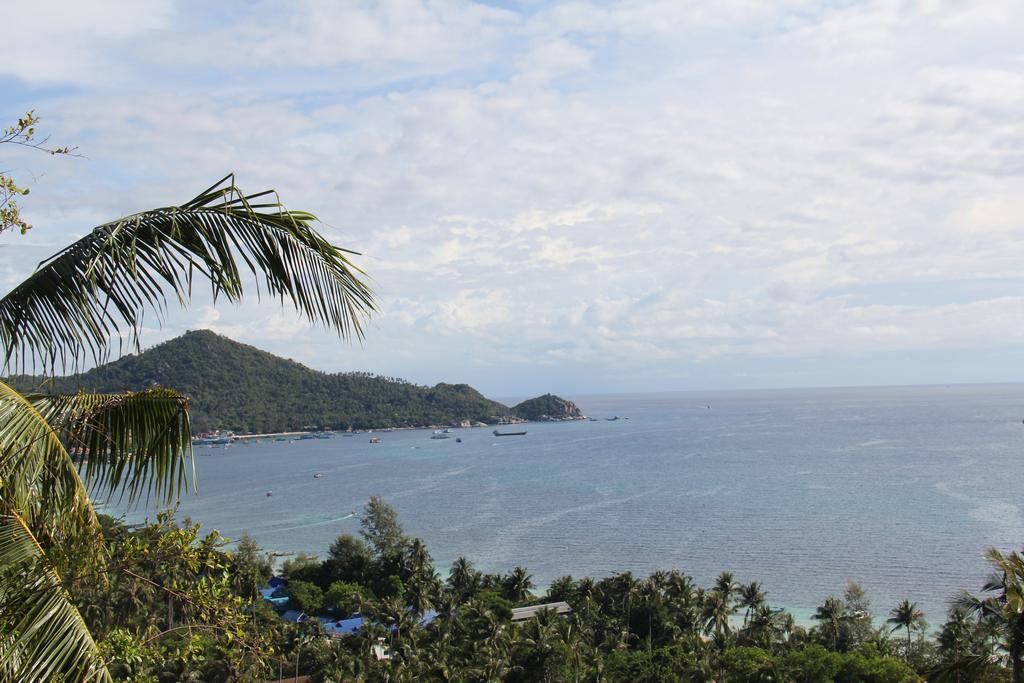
(900, 489)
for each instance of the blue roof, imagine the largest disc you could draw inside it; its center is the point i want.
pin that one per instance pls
(348, 626)
(342, 626)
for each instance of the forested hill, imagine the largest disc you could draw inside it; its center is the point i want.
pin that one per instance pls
(240, 388)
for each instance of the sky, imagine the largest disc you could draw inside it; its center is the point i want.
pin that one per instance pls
(576, 197)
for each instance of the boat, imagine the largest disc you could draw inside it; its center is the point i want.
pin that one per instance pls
(318, 475)
(497, 433)
(306, 437)
(612, 419)
(375, 439)
(439, 434)
(212, 441)
(458, 440)
(269, 494)
(323, 435)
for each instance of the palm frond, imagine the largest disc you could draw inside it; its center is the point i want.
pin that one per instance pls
(136, 443)
(38, 479)
(102, 285)
(43, 633)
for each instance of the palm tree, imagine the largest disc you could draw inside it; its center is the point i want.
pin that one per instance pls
(832, 614)
(463, 579)
(139, 444)
(653, 602)
(766, 626)
(518, 585)
(751, 597)
(584, 592)
(684, 602)
(1004, 608)
(422, 584)
(906, 615)
(961, 659)
(717, 611)
(725, 585)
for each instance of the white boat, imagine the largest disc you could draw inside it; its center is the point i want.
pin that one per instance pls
(440, 434)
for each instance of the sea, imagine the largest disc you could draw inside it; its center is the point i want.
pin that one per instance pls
(900, 489)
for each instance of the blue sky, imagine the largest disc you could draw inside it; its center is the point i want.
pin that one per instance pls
(576, 196)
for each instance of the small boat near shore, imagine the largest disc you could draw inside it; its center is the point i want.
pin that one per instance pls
(375, 439)
(497, 433)
(438, 434)
(212, 441)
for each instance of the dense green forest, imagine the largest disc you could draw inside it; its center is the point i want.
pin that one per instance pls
(178, 606)
(240, 388)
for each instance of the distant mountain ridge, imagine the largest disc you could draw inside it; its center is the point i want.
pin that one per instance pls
(237, 387)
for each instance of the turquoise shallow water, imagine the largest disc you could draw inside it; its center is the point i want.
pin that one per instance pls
(900, 489)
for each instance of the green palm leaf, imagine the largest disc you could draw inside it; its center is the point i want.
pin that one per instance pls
(70, 310)
(138, 444)
(42, 632)
(101, 286)
(134, 443)
(38, 479)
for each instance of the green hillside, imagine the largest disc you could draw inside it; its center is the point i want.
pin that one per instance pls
(240, 388)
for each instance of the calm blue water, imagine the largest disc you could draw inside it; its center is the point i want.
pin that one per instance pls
(900, 489)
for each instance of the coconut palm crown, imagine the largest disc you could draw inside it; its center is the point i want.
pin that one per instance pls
(58, 451)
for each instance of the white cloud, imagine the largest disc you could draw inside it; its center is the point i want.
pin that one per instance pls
(53, 42)
(641, 184)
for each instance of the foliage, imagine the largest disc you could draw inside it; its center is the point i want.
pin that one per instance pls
(166, 603)
(250, 568)
(346, 597)
(906, 615)
(748, 664)
(621, 628)
(349, 560)
(1002, 611)
(22, 133)
(305, 596)
(60, 581)
(664, 664)
(379, 527)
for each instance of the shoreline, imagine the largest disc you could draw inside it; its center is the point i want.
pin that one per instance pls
(479, 425)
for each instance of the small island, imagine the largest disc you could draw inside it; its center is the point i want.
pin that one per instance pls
(548, 408)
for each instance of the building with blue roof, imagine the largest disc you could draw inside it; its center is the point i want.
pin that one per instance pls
(295, 616)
